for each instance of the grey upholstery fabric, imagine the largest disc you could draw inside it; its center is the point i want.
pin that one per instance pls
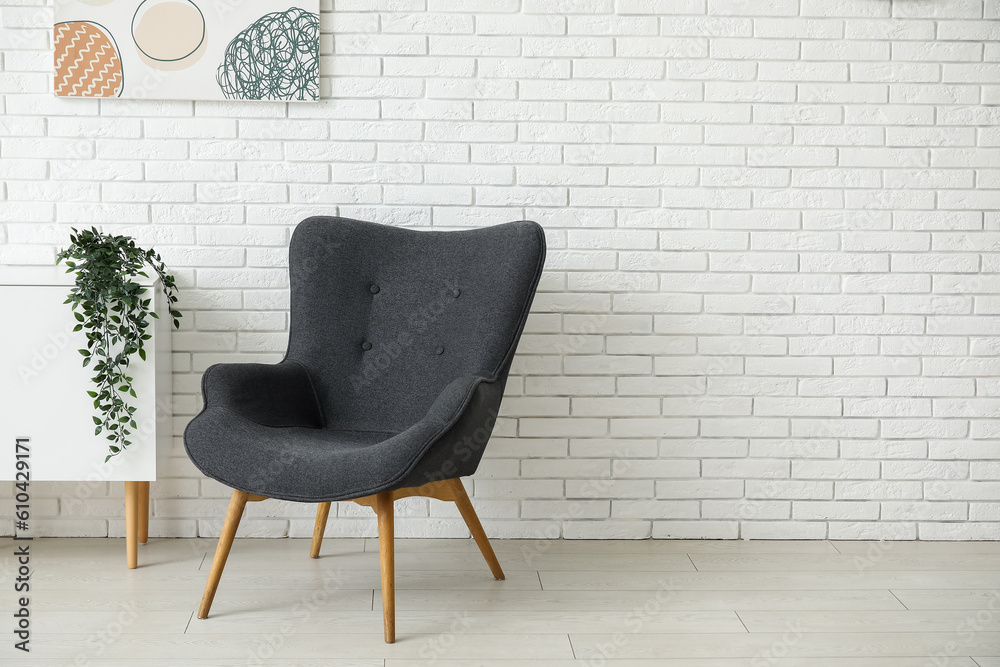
(399, 349)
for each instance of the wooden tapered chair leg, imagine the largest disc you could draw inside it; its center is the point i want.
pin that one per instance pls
(322, 514)
(476, 528)
(236, 506)
(384, 509)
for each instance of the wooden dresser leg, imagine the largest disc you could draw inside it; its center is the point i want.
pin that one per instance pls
(132, 524)
(143, 534)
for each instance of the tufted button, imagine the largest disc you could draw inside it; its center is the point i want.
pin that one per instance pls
(439, 350)
(374, 289)
(455, 292)
(366, 346)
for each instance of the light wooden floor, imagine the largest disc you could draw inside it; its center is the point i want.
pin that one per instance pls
(565, 603)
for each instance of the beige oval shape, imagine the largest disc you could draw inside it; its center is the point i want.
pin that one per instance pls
(168, 30)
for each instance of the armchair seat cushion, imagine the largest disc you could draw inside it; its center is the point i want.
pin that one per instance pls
(299, 463)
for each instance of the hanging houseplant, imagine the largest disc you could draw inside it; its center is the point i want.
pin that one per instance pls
(113, 309)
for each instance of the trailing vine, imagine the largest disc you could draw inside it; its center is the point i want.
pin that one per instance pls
(110, 306)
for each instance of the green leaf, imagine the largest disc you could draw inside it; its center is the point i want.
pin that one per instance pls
(142, 355)
(97, 421)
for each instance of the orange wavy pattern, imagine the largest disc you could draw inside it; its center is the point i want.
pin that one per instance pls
(87, 62)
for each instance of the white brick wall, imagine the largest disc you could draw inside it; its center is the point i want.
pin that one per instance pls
(771, 306)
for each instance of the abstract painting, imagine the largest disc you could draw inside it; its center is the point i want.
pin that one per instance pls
(187, 49)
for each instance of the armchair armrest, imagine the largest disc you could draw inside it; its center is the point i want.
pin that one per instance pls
(267, 394)
(468, 393)
(449, 441)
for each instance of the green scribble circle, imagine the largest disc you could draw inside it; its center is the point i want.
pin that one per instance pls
(276, 58)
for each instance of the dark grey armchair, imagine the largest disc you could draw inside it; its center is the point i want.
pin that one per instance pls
(399, 349)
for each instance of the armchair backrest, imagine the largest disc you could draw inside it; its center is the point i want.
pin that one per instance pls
(385, 318)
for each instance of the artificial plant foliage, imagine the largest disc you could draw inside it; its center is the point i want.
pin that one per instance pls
(113, 309)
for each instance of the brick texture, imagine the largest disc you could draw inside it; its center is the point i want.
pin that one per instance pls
(770, 308)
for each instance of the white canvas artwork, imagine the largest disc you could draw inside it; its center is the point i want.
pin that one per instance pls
(187, 49)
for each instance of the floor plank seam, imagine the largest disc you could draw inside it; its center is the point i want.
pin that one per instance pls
(893, 594)
(742, 622)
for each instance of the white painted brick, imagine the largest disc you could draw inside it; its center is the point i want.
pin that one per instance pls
(800, 407)
(782, 530)
(887, 407)
(729, 345)
(842, 469)
(642, 427)
(750, 427)
(878, 490)
(610, 530)
(830, 345)
(640, 448)
(881, 531)
(632, 469)
(570, 509)
(836, 510)
(695, 530)
(649, 345)
(680, 489)
(745, 468)
(751, 386)
(962, 449)
(656, 509)
(934, 470)
(794, 448)
(608, 488)
(988, 470)
(745, 509)
(958, 490)
(926, 511)
(565, 469)
(924, 428)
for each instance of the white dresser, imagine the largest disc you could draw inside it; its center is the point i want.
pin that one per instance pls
(44, 402)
